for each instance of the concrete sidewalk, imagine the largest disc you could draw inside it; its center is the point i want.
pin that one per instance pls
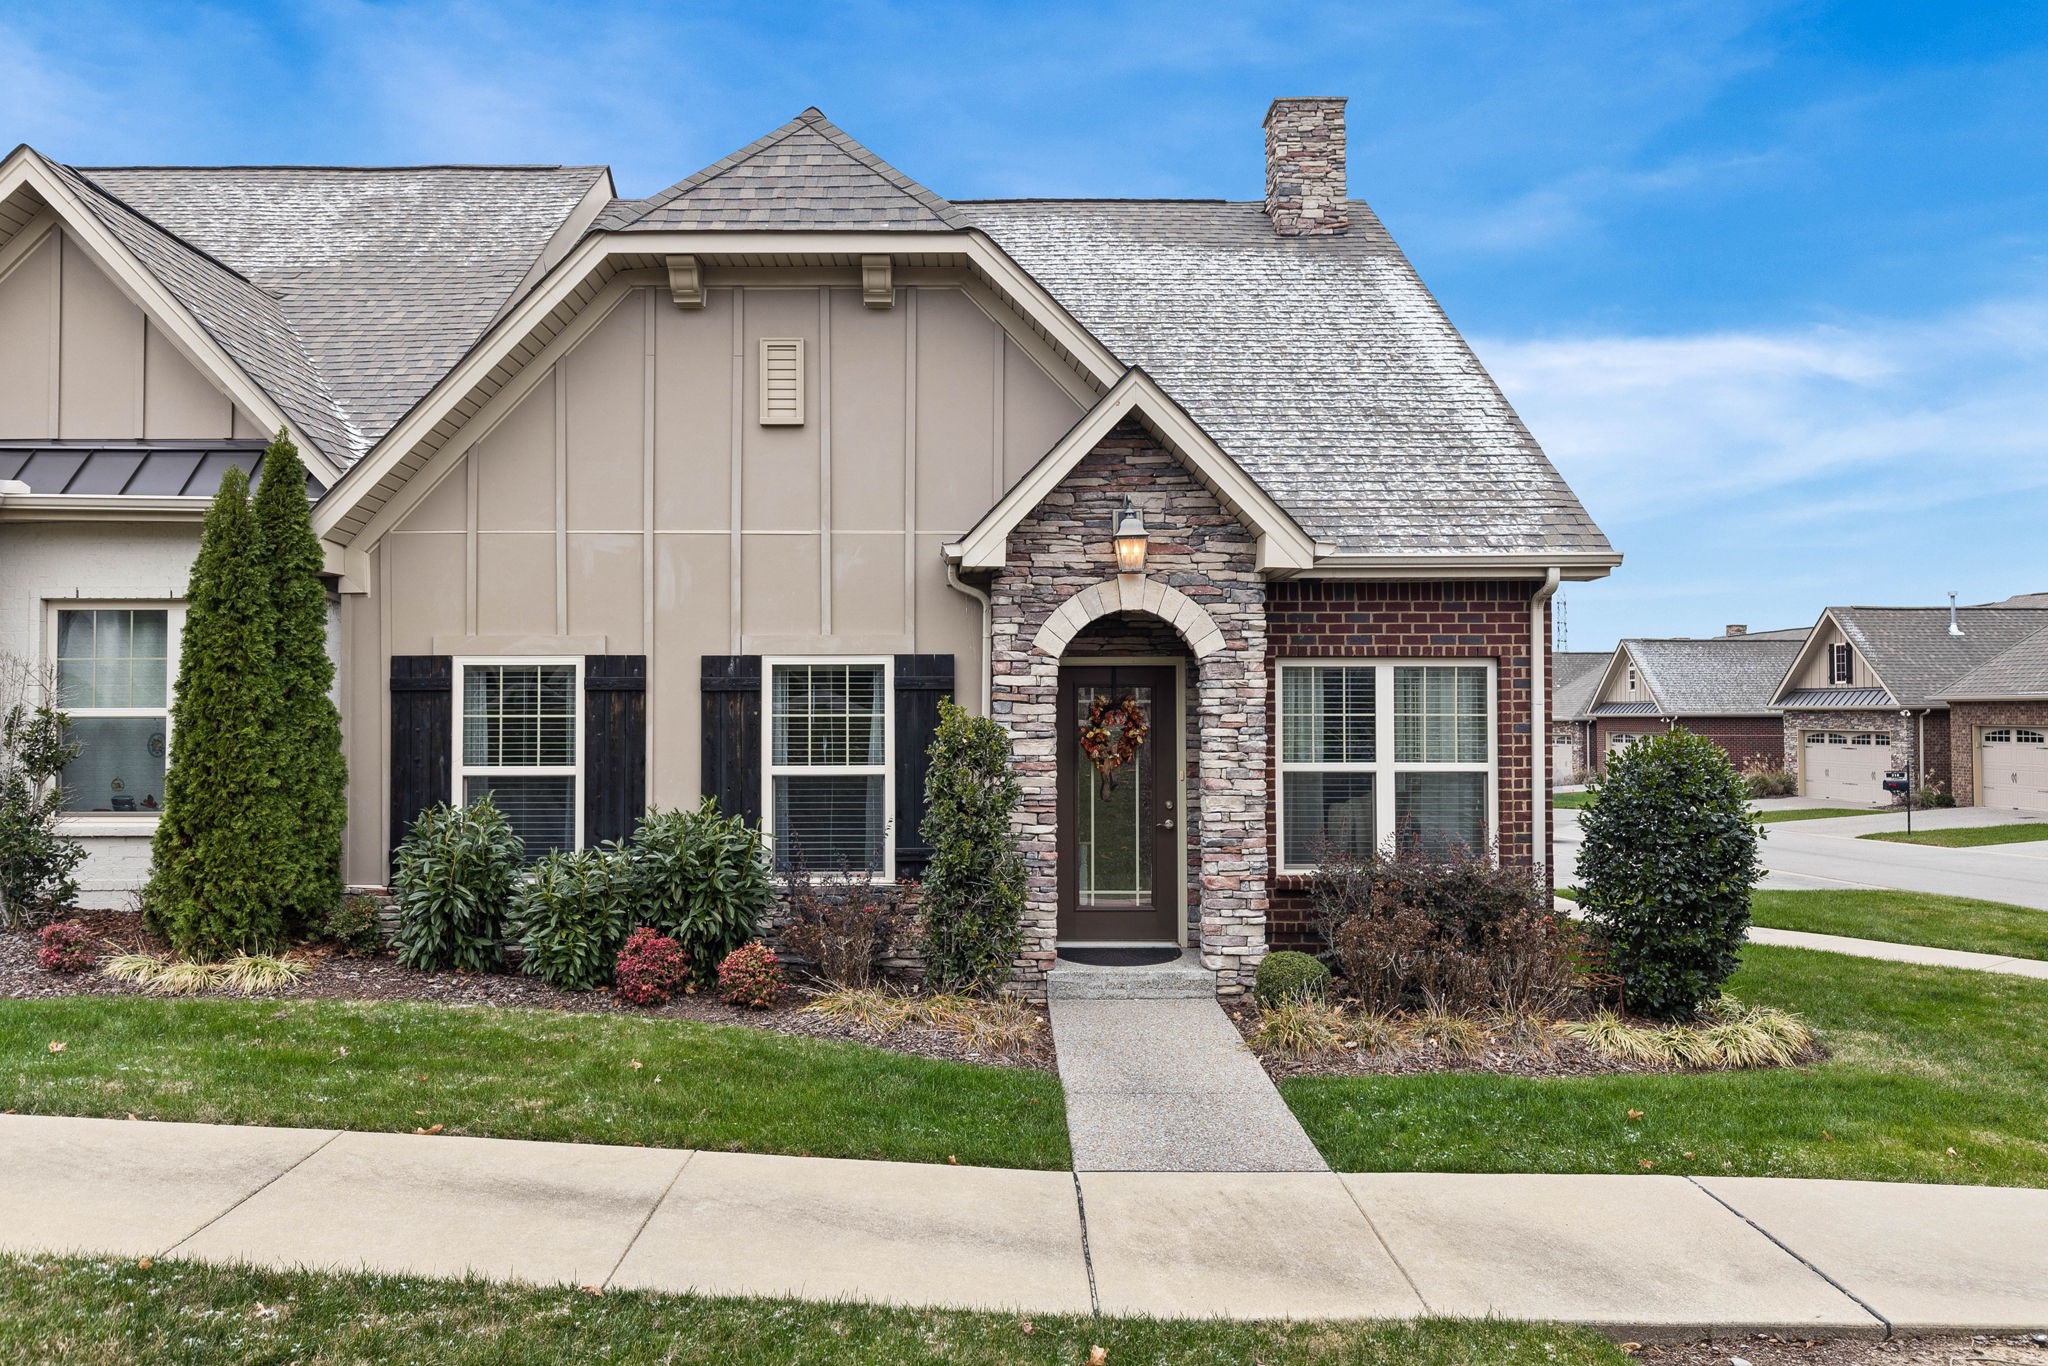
(1645, 1255)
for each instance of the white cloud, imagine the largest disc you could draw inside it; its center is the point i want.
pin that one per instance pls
(1883, 413)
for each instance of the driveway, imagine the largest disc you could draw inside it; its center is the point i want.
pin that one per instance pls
(1827, 853)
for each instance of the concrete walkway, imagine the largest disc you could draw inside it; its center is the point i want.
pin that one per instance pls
(1168, 1086)
(1644, 1255)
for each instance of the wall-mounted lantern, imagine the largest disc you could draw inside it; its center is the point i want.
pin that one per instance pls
(1130, 540)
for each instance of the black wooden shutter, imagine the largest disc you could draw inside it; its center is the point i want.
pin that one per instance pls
(422, 736)
(731, 685)
(614, 745)
(921, 680)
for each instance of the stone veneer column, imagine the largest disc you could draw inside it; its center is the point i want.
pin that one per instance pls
(1201, 550)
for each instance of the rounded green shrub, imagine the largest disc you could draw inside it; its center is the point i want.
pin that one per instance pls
(354, 926)
(454, 877)
(1669, 859)
(1289, 976)
(573, 915)
(975, 887)
(702, 879)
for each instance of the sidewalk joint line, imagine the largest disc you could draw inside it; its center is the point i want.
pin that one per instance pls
(254, 1193)
(689, 1154)
(1385, 1246)
(1087, 1255)
(1799, 1257)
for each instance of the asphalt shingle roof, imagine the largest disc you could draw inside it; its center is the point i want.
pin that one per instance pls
(1321, 364)
(2021, 671)
(1574, 676)
(1911, 649)
(806, 174)
(346, 292)
(1724, 676)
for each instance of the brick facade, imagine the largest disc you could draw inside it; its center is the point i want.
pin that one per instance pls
(1061, 567)
(1480, 620)
(1966, 719)
(1745, 739)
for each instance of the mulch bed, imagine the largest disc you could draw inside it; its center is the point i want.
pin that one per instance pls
(339, 977)
(2027, 1350)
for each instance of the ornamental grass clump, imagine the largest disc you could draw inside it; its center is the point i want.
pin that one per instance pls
(701, 878)
(749, 976)
(573, 915)
(455, 877)
(1669, 858)
(166, 975)
(1299, 1028)
(652, 969)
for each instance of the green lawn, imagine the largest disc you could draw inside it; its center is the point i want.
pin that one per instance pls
(1967, 836)
(519, 1074)
(1570, 801)
(1936, 1075)
(1773, 815)
(93, 1311)
(1942, 922)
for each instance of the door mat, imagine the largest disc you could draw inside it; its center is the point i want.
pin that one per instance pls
(1120, 958)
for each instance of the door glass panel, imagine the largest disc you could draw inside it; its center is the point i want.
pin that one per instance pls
(1113, 845)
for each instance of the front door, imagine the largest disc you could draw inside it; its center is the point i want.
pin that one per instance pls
(1120, 804)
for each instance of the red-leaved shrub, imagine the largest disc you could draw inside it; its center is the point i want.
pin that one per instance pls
(750, 976)
(651, 968)
(66, 947)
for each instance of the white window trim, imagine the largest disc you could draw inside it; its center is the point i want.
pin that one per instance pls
(770, 770)
(1384, 823)
(81, 823)
(461, 771)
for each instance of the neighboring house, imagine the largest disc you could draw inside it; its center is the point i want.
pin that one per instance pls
(1998, 727)
(1720, 687)
(1573, 676)
(1870, 694)
(719, 491)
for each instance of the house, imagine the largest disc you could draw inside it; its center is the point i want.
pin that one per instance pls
(1721, 688)
(1875, 690)
(719, 491)
(1573, 676)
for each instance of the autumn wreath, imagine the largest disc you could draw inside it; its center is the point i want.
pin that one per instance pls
(1111, 735)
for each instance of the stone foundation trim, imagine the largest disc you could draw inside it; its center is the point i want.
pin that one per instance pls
(1130, 593)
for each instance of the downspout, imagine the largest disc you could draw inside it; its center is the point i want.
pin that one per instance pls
(988, 628)
(1539, 726)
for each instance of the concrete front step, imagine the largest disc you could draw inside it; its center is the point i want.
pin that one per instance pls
(1183, 979)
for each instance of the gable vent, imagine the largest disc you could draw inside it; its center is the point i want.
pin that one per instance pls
(782, 382)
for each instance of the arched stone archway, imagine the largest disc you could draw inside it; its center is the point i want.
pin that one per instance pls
(1131, 593)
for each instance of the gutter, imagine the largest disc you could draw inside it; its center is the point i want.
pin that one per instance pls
(1539, 735)
(953, 581)
(19, 504)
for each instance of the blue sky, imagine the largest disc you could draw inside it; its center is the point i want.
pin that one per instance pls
(1769, 281)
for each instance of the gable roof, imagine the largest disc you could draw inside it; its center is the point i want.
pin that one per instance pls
(806, 174)
(1321, 364)
(1723, 676)
(360, 286)
(1574, 677)
(2020, 672)
(1914, 656)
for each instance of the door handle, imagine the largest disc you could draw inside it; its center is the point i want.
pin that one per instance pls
(1166, 824)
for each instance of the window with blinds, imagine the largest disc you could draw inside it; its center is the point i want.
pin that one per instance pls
(113, 678)
(517, 743)
(1373, 750)
(829, 764)
(782, 381)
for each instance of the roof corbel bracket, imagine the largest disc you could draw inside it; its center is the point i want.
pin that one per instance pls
(686, 281)
(877, 282)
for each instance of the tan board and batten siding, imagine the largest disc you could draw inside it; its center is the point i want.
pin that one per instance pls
(79, 360)
(632, 502)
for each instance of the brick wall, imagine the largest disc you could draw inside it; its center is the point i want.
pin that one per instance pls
(1745, 738)
(1336, 619)
(1606, 727)
(1965, 720)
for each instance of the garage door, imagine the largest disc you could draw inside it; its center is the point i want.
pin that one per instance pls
(1562, 771)
(2015, 768)
(1846, 765)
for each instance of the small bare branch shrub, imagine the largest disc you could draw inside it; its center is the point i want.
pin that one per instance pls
(844, 924)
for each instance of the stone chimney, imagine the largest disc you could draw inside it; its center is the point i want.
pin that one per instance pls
(1738, 630)
(1305, 193)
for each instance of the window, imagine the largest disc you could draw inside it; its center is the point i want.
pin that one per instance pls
(1631, 680)
(829, 756)
(113, 677)
(517, 743)
(1841, 664)
(1997, 737)
(1371, 749)
(2030, 737)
